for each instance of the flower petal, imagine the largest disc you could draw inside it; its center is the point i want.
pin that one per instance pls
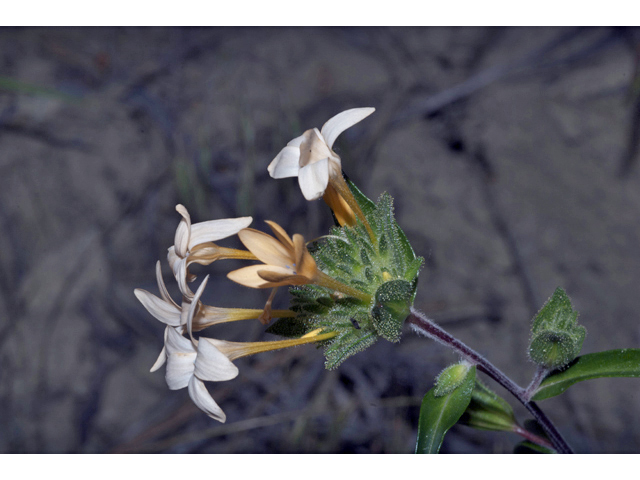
(296, 142)
(212, 364)
(286, 163)
(183, 232)
(275, 274)
(163, 311)
(162, 358)
(280, 233)
(266, 248)
(194, 306)
(338, 124)
(201, 397)
(181, 274)
(176, 343)
(164, 293)
(313, 148)
(217, 229)
(313, 179)
(250, 276)
(305, 264)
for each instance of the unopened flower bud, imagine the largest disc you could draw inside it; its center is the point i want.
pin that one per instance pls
(556, 336)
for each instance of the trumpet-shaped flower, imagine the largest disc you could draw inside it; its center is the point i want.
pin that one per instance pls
(190, 363)
(192, 244)
(286, 261)
(203, 316)
(310, 156)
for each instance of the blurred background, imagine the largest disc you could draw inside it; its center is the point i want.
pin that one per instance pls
(512, 154)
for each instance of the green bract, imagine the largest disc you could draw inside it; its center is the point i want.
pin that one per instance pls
(384, 267)
(556, 336)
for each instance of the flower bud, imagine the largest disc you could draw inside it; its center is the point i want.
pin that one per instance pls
(556, 336)
(451, 378)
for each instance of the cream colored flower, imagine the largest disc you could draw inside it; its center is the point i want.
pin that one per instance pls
(191, 362)
(286, 261)
(310, 157)
(192, 244)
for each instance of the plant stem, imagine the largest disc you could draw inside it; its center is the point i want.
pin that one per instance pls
(422, 324)
(541, 372)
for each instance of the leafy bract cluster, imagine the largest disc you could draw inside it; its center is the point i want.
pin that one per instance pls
(556, 335)
(382, 265)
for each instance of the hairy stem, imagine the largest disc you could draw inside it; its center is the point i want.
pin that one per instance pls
(422, 324)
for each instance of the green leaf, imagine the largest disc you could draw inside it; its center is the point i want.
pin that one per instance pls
(367, 206)
(488, 411)
(612, 363)
(439, 414)
(289, 328)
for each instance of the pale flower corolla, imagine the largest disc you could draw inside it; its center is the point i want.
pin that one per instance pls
(191, 362)
(175, 316)
(188, 236)
(310, 156)
(285, 261)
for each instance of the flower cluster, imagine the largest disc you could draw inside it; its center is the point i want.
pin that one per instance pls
(349, 289)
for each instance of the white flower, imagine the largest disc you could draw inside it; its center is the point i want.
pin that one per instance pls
(190, 362)
(309, 156)
(189, 236)
(176, 316)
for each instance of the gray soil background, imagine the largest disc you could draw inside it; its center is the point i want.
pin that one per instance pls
(511, 155)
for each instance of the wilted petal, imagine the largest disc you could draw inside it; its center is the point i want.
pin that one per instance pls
(280, 233)
(286, 163)
(183, 232)
(275, 274)
(165, 312)
(212, 364)
(201, 397)
(216, 229)
(338, 124)
(313, 179)
(249, 277)
(305, 264)
(265, 247)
